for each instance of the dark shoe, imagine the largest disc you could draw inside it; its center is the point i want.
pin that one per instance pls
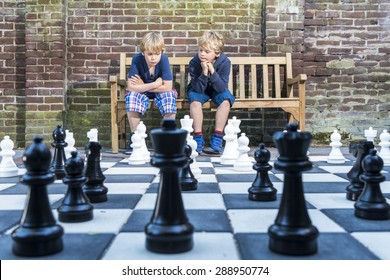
(200, 143)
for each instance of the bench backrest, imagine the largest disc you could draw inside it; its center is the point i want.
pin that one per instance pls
(250, 77)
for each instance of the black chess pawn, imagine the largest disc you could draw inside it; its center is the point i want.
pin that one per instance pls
(293, 233)
(75, 206)
(371, 204)
(59, 158)
(169, 230)
(38, 233)
(94, 187)
(355, 188)
(262, 188)
(187, 180)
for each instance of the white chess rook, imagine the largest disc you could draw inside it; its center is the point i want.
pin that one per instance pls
(8, 167)
(335, 156)
(384, 152)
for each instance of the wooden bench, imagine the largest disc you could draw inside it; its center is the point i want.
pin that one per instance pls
(256, 82)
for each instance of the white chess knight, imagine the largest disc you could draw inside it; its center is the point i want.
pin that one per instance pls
(141, 128)
(236, 123)
(335, 156)
(243, 162)
(137, 156)
(8, 167)
(370, 134)
(69, 139)
(384, 152)
(230, 152)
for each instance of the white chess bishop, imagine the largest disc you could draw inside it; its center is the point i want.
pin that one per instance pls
(141, 128)
(335, 156)
(8, 167)
(384, 152)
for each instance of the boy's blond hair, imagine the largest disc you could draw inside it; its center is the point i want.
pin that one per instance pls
(212, 40)
(152, 42)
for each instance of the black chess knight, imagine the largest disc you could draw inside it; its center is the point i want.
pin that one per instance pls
(38, 233)
(169, 230)
(293, 233)
(187, 180)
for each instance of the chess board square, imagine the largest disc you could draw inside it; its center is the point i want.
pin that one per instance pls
(74, 247)
(325, 187)
(254, 246)
(332, 200)
(206, 164)
(336, 168)
(377, 242)
(10, 180)
(242, 187)
(5, 186)
(202, 220)
(131, 178)
(106, 165)
(347, 219)
(207, 246)
(259, 220)
(128, 171)
(317, 177)
(104, 221)
(9, 218)
(17, 202)
(190, 201)
(237, 177)
(202, 188)
(230, 170)
(127, 188)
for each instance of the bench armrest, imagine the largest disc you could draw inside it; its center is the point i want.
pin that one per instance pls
(301, 78)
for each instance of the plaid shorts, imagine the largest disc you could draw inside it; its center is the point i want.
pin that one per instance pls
(139, 102)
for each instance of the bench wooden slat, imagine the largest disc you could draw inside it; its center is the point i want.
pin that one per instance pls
(273, 80)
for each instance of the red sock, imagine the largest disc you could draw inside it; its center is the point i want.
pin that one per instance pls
(217, 131)
(199, 133)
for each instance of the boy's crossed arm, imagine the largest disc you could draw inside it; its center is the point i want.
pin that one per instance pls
(136, 84)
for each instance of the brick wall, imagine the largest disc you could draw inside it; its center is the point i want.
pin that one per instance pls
(56, 57)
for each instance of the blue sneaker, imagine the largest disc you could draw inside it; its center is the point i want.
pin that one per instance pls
(216, 143)
(200, 143)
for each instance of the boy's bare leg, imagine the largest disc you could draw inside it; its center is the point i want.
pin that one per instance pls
(196, 114)
(221, 116)
(169, 116)
(134, 119)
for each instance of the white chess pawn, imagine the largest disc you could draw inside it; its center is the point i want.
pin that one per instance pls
(370, 134)
(69, 139)
(243, 162)
(186, 124)
(335, 156)
(384, 153)
(141, 128)
(92, 134)
(8, 167)
(230, 152)
(137, 156)
(194, 165)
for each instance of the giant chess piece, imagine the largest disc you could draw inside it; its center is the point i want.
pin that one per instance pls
(169, 230)
(187, 180)
(355, 188)
(384, 152)
(75, 206)
(230, 152)
(8, 167)
(94, 188)
(243, 162)
(58, 163)
(262, 188)
(335, 156)
(38, 233)
(293, 233)
(370, 134)
(371, 204)
(69, 139)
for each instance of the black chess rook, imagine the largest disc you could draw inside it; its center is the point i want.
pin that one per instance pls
(94, 188)
(75, 207)
(293, 233)
(187, 180)
(169, 230)
(38, 233)
(371, 204)
(355, 188)
(262, 188)
(59, 144)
